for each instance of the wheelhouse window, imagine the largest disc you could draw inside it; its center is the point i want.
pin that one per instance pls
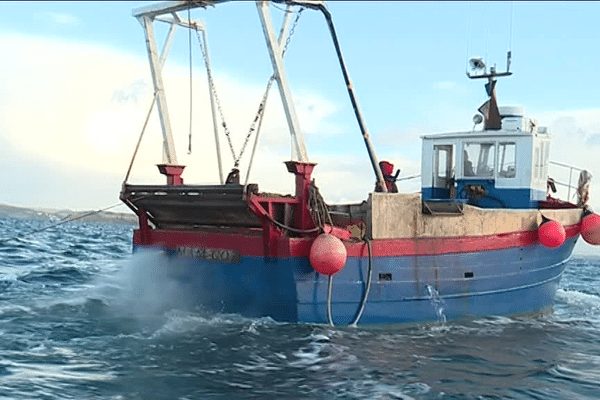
(507, 160)
(443, 162)
(479, 159)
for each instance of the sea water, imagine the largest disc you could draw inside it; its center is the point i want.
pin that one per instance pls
(83, 318)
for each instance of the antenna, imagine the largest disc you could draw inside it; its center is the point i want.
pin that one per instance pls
(479, 68)
(509, 52)
(477, 64)
(490, 113)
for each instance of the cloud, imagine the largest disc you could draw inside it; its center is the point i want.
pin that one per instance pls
(574, 141)
(131, 92)
(315, 112)
(62, 108)
(593, 139)
(398, 137)
(82, 109)
(59, 18)
(444, 85)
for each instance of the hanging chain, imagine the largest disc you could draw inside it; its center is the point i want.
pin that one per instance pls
(261, 106)
(292, 31)
(214, 92)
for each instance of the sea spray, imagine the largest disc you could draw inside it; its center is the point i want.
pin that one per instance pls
(146, 284)
(438, 304)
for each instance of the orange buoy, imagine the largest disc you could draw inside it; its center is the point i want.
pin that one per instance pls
(590, 228)
(327, 254)
(551, 233)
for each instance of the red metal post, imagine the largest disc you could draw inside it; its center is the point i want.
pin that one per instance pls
(303, 172)
(173, 173)
(144, 231)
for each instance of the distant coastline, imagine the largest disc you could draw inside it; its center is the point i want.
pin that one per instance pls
(105, 217)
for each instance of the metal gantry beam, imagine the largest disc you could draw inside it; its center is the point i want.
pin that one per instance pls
(169, 7)
(147, 19)
(283, 32)
(161, 100)
(281, 78)
(213, 107)
(159, 11)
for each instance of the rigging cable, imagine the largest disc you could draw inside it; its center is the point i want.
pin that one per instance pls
(190, 57)
(258, 117)
(257, 136)
(363, 302)
(468, 38)
(213, 90)
(261, 108)
(512, 4)
(289, 228)
(329, 290)
(137, 147)
(509, 53)
(61, 222)
(487, 31)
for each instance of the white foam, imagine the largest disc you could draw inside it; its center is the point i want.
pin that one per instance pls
(580, 299)
(180, 322)
(11, 308)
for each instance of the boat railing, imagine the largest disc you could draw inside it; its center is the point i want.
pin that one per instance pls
(569, 185)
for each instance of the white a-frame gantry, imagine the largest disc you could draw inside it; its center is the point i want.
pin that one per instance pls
(168, 12)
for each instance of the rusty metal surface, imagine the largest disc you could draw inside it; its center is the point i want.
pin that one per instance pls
(401, 216)
(189, 207)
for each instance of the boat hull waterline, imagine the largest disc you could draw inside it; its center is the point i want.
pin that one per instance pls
(223, 274)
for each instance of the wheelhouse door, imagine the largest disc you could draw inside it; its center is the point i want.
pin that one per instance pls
(443, 171)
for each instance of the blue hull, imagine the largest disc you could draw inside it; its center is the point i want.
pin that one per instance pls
(513, 281)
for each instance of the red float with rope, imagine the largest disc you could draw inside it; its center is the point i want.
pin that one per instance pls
(551, 233)
(327, 254)
(590, 228)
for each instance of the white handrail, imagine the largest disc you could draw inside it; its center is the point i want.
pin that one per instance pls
(568, 185)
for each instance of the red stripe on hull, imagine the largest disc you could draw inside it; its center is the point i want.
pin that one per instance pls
(250, 243)
(447, 245)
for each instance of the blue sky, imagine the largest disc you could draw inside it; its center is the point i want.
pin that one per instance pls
(75, 89)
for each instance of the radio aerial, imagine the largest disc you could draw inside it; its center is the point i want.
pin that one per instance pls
(477, 63)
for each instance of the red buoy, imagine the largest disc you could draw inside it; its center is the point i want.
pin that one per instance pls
(327, 254)
(551, 233)
(590, 228)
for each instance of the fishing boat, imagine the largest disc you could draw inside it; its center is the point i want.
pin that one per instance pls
(484, 236)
